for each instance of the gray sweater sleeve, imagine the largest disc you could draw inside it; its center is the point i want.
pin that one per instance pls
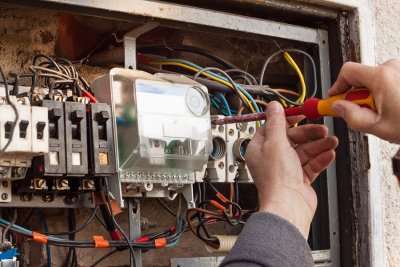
(269, 240)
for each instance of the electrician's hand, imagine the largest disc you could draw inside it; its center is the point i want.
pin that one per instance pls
(284, 162)
(384, 82)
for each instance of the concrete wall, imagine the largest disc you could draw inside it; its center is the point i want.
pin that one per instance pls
(386, 16)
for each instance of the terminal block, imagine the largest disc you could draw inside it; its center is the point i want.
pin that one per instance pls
(76, 148)
(101, 142)
(246, 132)
(216, 166)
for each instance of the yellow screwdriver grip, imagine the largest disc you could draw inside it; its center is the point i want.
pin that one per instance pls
(362, 97)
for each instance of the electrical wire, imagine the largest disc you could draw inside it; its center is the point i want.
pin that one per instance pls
(83, 226)
(45, 228)
(225, 102)
(246, 97)
(7, 228)
(187, 48)
(118, 226)
(227, 80)
(245, 73)
(296, 68)
(268, 60)
(60, 74)
(166, 207)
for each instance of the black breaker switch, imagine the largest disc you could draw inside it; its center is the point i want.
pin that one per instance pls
(52, 164)
(102, 156)
(76, 139)
(23, 125)
(39, 129)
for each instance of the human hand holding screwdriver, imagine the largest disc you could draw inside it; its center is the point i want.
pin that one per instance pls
(284, 162)
(383, 81)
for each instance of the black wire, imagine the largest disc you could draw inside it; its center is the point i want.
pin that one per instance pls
(236, 184)
(71, 256)
(272, 91)
(15, 112)
(166, 207)
(118, 226)
(100, 221)
(7, 228)
(104, 257)
(190, 49)
(83, 226)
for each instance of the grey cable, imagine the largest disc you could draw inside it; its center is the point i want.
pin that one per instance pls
(226, 76)
(296, 51)
(254, 82)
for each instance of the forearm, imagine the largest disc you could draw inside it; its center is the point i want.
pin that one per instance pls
(269, 240)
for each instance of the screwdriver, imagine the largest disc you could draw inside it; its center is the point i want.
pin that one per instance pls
(312, 109)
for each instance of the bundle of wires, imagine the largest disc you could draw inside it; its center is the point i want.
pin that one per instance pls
(295, 67)
(225, 210)
(59, 74)
(247, 99)
(219, 101)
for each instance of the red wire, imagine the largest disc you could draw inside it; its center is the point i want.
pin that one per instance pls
(90, 96)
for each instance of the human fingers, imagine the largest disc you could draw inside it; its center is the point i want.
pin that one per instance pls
(316, 165)
(292, 120)
(354, 75)
(259, 136)
(306, 133)
(358, 118)
(275, 125)
(308, 151)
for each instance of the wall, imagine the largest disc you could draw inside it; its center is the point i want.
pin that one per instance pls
(387, 42)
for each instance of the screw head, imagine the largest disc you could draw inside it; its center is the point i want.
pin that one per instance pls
(4, 184)
(4, 196)
(71, 199)
(47, 198)
(221, 165)
(231, 132)
(26, 197)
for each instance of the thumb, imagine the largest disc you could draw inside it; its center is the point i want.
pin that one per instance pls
(358, 118)
(276, 122)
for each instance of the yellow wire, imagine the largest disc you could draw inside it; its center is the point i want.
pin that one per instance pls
(301, 77)
(211, 77)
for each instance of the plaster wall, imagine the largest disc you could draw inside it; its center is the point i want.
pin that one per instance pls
(387, 45)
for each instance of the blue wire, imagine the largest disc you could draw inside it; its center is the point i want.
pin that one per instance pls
(46, 230)
(215, 75)
(217, 102)
(225, 103)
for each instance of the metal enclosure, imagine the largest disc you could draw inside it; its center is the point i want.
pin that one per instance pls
(153, 13)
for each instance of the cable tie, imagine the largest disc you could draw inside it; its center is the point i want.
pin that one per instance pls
(160, 242)
(100, 242)
(38, 237)
(221, 197)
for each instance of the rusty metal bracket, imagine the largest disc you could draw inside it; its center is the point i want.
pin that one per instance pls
(130, 43)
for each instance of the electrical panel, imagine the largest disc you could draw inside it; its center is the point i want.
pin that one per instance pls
(145, 131)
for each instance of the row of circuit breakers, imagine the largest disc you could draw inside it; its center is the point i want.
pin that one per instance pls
(147, 132)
